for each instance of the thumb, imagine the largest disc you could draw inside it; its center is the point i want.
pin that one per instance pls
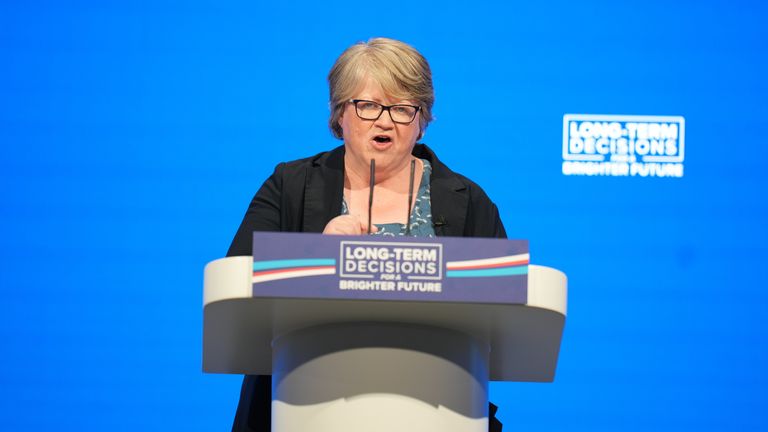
(364, 226)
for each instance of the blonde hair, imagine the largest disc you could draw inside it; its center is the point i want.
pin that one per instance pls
(401, 71)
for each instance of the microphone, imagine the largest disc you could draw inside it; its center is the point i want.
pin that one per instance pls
(370, 194)
(410, 200)
(440, 222)
(410, 196)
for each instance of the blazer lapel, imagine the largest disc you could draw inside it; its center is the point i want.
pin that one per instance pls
(450, 197)
(323, 190)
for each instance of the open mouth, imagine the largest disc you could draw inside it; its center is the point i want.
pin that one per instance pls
(382, 139)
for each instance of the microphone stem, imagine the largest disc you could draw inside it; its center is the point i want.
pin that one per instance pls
(370, 194)
(410, 199)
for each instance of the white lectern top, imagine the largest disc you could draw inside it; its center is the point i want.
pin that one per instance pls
(239, 328)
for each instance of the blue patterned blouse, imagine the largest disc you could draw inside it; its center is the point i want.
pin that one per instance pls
(421, 216)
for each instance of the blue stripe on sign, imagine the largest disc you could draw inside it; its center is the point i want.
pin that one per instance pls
(504, 271)
(278, 264)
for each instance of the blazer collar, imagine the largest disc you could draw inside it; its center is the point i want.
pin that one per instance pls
(449, 195)
(324, 189)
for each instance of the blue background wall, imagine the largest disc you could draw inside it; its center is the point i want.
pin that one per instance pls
(132, 138)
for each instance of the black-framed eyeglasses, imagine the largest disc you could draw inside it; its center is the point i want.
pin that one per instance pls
(370, 110)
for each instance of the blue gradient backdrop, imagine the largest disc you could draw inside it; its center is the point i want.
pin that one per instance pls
(133, 137)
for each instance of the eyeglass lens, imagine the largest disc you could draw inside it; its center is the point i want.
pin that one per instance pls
(368, 110)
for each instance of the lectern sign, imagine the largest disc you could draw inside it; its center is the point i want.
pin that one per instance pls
(376, 259)
(445, 269)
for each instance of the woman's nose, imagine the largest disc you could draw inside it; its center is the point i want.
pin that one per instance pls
(385, 119)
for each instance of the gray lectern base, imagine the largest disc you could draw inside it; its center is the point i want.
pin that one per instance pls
(379, 377)
(352, 365)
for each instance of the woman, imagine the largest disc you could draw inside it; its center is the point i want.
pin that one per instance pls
(381, 99)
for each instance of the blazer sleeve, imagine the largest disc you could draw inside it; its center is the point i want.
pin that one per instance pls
(253, 412)
(264, 214)
(483, 216)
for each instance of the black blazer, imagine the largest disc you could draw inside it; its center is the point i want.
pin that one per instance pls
(304, 195)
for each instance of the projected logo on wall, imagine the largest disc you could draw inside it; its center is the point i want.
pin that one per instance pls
(623, 145)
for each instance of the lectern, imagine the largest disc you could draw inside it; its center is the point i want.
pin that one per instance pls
(382, 335)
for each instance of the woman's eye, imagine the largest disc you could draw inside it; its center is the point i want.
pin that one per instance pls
(402, 109)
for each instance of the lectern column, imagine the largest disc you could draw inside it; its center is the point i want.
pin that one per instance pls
(352, 377)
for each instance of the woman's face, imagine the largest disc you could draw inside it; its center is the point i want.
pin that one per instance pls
(388, 142)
